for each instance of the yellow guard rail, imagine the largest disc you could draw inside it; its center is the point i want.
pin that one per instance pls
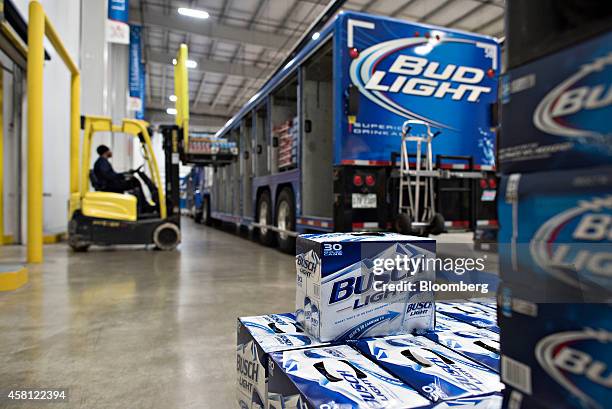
(39, 26)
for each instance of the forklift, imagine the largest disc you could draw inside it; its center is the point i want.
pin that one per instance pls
(106, 218)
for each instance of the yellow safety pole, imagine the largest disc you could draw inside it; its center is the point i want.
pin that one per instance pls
(36, 30)
(75, 127)
(181, 90)
(1, 157)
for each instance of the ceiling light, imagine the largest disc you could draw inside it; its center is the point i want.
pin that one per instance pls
(172, 98)
(316, 36)
(171, 111)
(193, 13)
(191, 64)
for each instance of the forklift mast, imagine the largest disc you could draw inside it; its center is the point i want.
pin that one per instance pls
(171, 135)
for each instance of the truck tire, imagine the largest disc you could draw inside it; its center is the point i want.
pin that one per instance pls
(264, 217)
(77, 245)
(197, 214)
(285, 220)
(206, 211)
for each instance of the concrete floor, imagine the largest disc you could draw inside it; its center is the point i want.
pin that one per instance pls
(139, 328)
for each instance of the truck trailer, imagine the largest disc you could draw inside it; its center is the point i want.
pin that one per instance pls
(319, 143)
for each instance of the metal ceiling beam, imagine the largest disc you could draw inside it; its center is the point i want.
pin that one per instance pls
(467, 13)
(209, 65)
(435, 10)
(489, 23)
(157, 116)
(209, 28)
(203, 109)
(401, 8)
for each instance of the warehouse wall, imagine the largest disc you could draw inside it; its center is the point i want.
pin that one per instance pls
(104, 68)
(65, 15)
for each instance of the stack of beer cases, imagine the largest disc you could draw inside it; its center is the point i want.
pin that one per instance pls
(287, 134)
(370, 357)
(555, 219)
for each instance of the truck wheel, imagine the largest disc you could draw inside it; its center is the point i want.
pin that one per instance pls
(437, 224)
(403, 224)
(285, 220)
(166, 236)
(264, 217)
(206, 211)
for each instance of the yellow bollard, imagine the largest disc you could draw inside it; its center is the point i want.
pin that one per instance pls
(1, 157)
(36, 31)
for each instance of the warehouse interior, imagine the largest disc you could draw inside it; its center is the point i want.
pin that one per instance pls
(182, 182)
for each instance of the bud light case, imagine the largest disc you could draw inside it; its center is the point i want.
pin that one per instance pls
(556, 232)
(469, 312)
(559, 354)
(478, 344)
(556, 111)
(257, 337)
(432, 369)
(342, 290)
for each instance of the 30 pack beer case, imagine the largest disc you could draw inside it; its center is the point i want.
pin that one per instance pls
(339, 294)
(556, 232)
(435, 371)
(558, 118)
(556, 352)
(257, 336)
(470, 312)
(478, 344)
(335, 377)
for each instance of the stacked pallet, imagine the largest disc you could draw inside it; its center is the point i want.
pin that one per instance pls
(287, 134)
(211, 146)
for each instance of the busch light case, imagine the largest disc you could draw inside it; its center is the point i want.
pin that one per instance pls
(335, 377)
(257, 337)
(556, 354)
(478, 344)
(556, 232)
(352, 285)
(556, 110)
(435, 371)
(475, 314)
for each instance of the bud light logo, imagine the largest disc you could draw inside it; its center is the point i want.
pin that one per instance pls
(577, 240)
(579, 361)
(389, 72)
(579, 107)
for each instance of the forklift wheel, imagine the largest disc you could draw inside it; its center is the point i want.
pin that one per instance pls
(78, 246)
(166, 236)
(437, 224)
(403, 224)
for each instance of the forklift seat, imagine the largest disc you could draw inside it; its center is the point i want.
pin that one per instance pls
(95, 183)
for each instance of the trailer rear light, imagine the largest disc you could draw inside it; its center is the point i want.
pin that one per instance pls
(357, 180)
(370, 180)
(483, 183)
(492, 183)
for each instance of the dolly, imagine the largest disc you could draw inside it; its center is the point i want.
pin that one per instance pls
(107, 218)
(419, 215)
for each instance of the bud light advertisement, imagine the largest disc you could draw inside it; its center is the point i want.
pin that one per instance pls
(403, 71)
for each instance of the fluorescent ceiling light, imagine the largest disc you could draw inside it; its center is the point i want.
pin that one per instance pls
(171, 111)
(195, 13)
(188, 63)
(316, 36)
(172, 98)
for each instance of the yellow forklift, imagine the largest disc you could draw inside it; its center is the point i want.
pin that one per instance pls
(105, 218)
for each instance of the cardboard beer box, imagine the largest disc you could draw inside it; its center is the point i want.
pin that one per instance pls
(435, 371)
(354, 285)
(257, 337)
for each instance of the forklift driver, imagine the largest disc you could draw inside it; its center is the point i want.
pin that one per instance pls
(110, 181)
